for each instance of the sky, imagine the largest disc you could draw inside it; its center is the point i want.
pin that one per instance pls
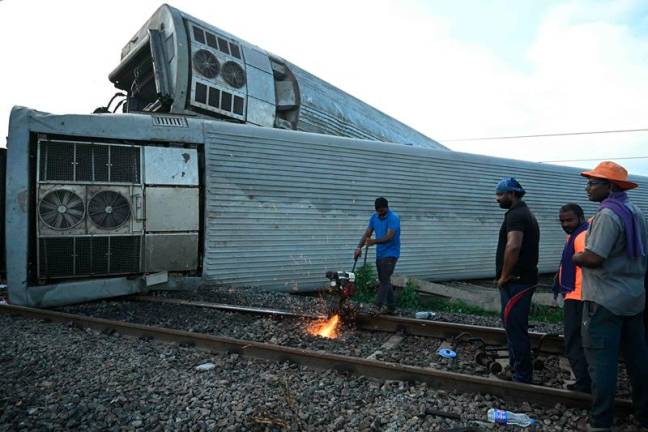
(451, 69)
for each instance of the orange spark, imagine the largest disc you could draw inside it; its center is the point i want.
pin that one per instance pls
(327, 328)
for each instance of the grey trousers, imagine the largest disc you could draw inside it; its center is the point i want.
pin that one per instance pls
(385, 267)
(574, 344)
(604, 336)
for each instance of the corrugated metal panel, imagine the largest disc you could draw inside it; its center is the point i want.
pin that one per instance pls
(327, 109)
(282, 208)
(3, 167)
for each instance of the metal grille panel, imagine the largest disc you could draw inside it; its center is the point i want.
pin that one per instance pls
(100, 254)
(59, 161)
(100, 156)
(84, 162)
(57, 257)
(83, 256)
(124, 164)
(124, 254)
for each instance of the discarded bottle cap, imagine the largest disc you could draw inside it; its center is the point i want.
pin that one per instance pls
(446, 353)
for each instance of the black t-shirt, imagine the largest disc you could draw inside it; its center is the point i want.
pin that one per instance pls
(520, 218)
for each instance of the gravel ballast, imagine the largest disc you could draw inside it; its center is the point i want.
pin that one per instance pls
(412, 350)
(58, 377)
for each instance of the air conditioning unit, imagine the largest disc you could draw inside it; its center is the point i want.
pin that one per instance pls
(61, 209)
(218, 77)
(89, 209)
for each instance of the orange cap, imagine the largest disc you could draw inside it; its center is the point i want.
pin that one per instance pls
(613, 173)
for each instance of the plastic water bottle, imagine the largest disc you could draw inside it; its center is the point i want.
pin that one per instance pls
(425, 315)
(504, 417)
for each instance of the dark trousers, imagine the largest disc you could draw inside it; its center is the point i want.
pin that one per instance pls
(604, 336)
(516, 304)
(574, 351)
(385, 267)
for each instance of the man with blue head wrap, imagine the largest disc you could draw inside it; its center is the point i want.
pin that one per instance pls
(517, 273)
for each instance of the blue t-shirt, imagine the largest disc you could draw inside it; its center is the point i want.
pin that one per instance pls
(380, 227)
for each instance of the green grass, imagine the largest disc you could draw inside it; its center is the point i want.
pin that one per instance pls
(454, 306)
(408, 298)
(366, 282)
(546, 314)
(539, 313)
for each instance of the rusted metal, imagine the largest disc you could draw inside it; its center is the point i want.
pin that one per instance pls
(547, 343)
(225, 307)
(372, 368)
(489, 335)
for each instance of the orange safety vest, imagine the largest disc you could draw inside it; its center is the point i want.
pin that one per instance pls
(579, 246)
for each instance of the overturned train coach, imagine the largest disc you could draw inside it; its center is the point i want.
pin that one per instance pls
(179, 64)
(103, 205)
(232, 165)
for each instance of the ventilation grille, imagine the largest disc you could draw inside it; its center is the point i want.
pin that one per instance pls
(85, 256)
(170, 121)
(216, 42)
(216, 99)
(81, 162)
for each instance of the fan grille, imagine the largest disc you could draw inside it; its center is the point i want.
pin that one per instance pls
(61, 209)
(233, 74)
(109, 209)
(206, 63)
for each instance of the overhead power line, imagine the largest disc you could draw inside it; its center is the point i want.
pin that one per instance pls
(547, 135)
(597, 159)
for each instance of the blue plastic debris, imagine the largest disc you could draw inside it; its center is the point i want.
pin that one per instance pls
(446, 353)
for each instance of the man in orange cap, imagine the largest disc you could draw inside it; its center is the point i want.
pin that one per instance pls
(613, 268)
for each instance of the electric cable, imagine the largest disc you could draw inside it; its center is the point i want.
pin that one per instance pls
(113, 98)
(596, 159)
(547, 135)
(121, 102)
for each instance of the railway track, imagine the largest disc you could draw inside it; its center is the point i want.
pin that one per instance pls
(451, 381)
(542, 342)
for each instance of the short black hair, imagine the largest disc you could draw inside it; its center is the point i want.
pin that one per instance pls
(572, 207)
(381, 203)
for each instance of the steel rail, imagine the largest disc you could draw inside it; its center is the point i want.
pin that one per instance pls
(545, 343)
(450, 381)
(223, 306)
(373, 368)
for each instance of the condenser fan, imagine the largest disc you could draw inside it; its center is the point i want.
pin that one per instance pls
(108, 209)
(61, 209)
(233, 74)
(206, 63)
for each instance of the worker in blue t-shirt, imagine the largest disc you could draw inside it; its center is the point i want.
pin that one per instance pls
(386, 224)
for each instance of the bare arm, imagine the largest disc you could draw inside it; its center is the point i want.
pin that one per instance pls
(384, 239)
(588, 259)
(364, 239)
(511, 255)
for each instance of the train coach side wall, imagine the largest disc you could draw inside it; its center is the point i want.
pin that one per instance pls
(284, 207)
